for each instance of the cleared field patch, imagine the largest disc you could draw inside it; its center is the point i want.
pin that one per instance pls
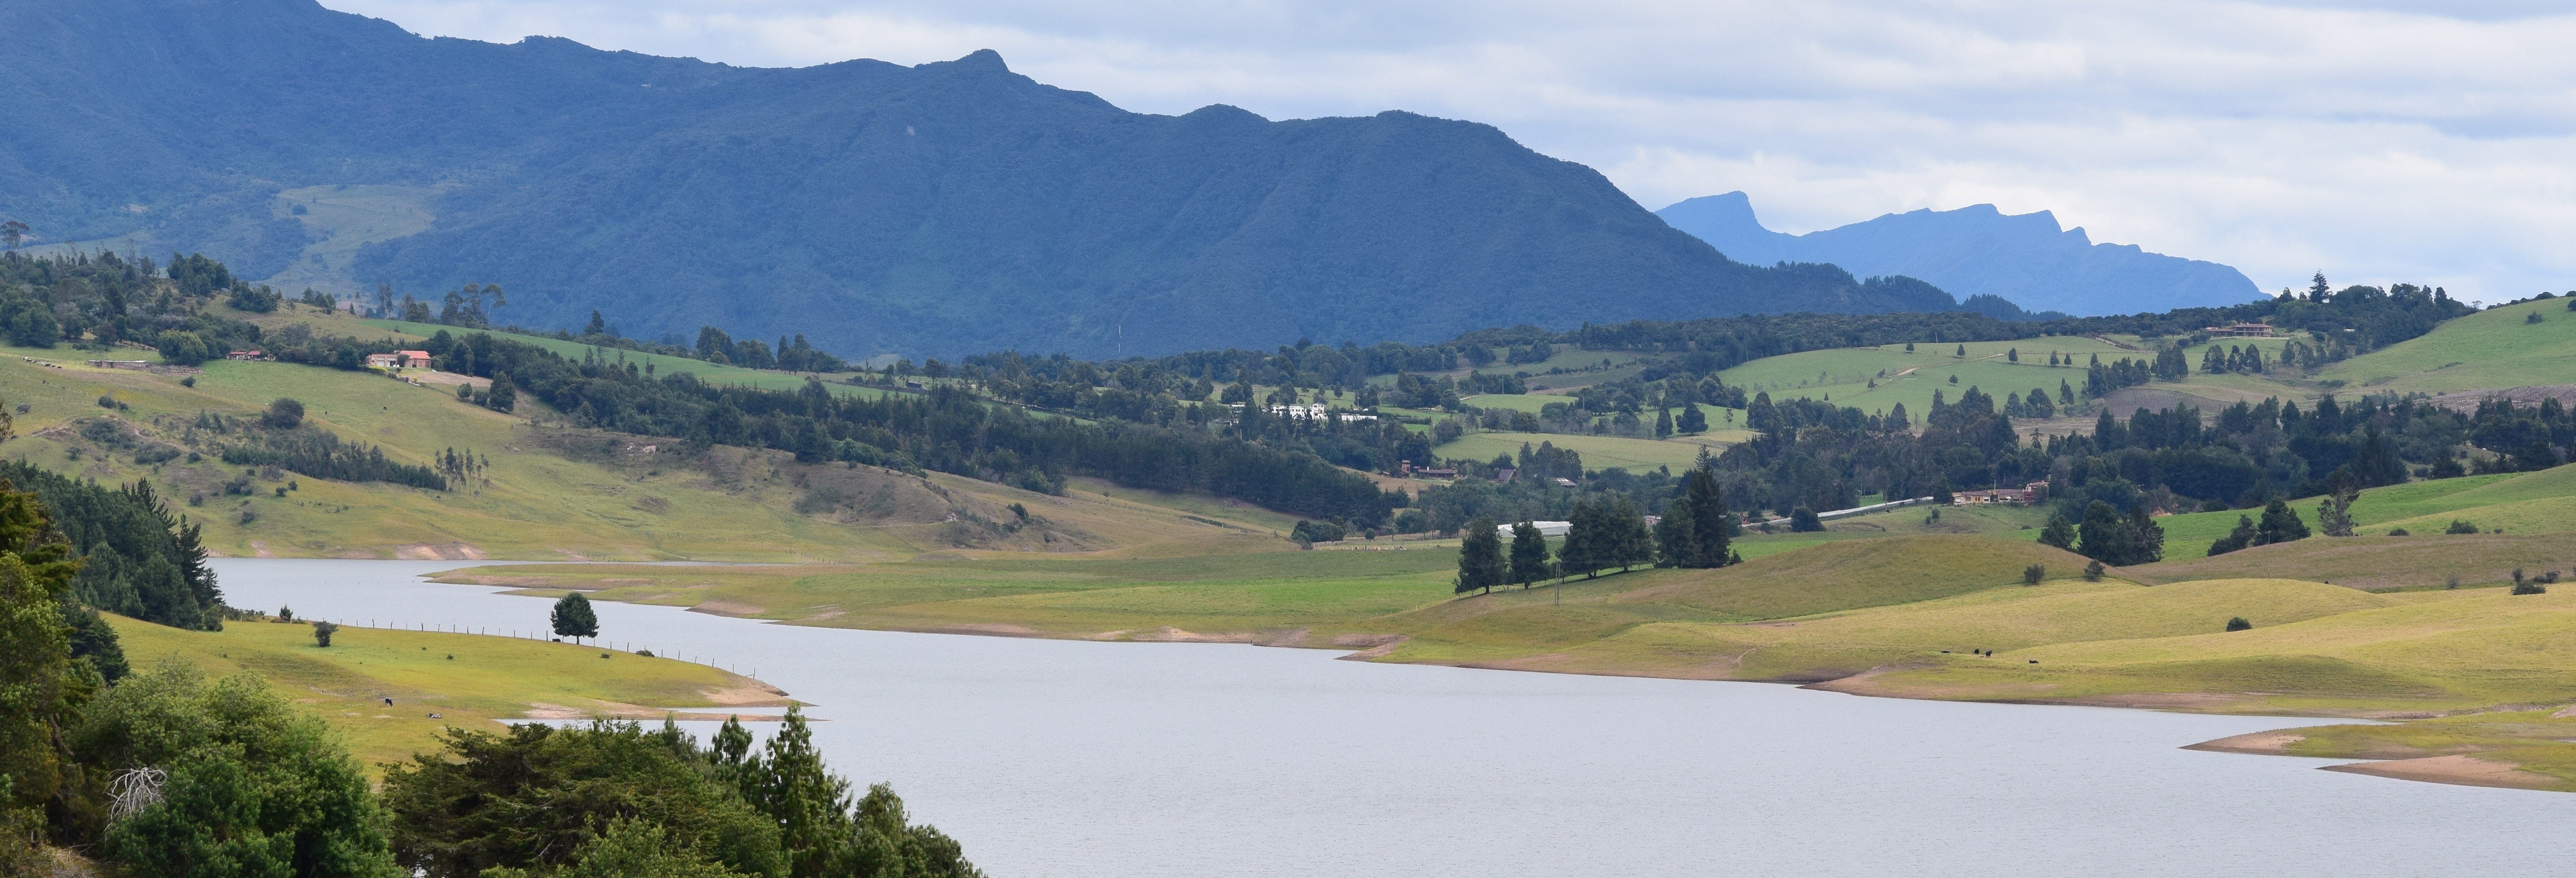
(1599, 452)
(711, 373)
(2538, 502)
(465, 679)
(2492, 349)
(1851, 574)
(2429, 560)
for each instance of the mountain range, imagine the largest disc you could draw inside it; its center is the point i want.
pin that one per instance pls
(875, 208)
(1977, 251)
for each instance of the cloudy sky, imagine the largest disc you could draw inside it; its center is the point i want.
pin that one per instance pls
(2376, 141)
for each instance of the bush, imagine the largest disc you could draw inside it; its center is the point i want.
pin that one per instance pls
(2239, 624)
(255, 785)
(2032, 574)
(1804, 520)
(322, 632)
(2459, 526)
(2533, 317)
(2399, 532)
(283, 414)
(2530, 586)
(2093, 572)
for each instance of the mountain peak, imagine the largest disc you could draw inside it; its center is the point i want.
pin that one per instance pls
(2028, 258)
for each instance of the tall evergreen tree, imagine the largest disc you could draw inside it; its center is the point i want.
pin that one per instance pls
(1711, 525)
(2280, 524)
(1627, 538)
(1480, 557)
(2059, 532)
(1692, 422)
(1529, 554)
(1585, 545)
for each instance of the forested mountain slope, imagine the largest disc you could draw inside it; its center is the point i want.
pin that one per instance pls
(930, 211)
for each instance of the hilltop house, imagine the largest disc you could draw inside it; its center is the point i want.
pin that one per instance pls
(2241, 330)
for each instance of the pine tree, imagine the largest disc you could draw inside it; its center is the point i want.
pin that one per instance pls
(1673, 544)
(1480, 557)
(1585, 550)
(1663, 423)
(1529, 554)
(2059, 532)
(1692, 422)
(2280, 524)
(1711, 525)
(2334, 513)
(1625, 527)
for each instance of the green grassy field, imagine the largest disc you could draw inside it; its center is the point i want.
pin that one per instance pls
(1843, 375)
(709, 372)
(468, 680)
(2491, 349)
(552, 493)
(1599, 452)
(2540, 502)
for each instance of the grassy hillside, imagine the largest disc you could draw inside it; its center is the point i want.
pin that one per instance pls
(1599, 452)
(551, 492)
(466, 680)
(2539, 502)
(712, 373)
(1843, 374)
(2491, 349)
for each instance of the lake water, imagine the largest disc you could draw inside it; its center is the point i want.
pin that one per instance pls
(1057, 758)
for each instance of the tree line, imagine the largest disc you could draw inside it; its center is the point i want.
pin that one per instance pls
(1604, 532)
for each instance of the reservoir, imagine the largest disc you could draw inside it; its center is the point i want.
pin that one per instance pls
(1065, 758)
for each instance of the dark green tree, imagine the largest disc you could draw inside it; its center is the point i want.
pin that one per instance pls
(573, 617)
(1625, 534)
(2103, 536)
(1480, 557)
(2059, 532)
(252, 784)
(1529, 555)
(2280, 524)
(322, 632)
(1693, 422)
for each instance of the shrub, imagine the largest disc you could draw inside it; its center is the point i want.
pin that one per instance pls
(2239, 624)
(2399, 532)
(1804, 520)
(283, 414)
(2032, 574)
(2453, 582)
(2533, 317)
(2460, 526)
(2530, 587)
(2093, 572)
(322, 632)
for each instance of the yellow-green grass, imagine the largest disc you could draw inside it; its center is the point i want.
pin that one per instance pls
(2381, 563)
(2538, 502)
(711, 373)
(1519, 402)
(1843, 375)
(1953, 629)
(1237, 597)
(1199, 503)
(1599, 452)
(2424, 652)
(1858, 573)
(542, 502)
(2491, 349)
(2532, 741)
(538, 504)
(468, 680)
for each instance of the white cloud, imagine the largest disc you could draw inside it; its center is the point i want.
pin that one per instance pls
(2378, 141)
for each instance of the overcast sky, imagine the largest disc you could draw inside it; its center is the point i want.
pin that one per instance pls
(2391, 141)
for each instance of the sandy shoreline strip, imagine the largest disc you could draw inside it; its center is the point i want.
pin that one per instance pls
(2461, 769)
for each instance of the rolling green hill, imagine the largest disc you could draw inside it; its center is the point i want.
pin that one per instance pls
(2492, 349)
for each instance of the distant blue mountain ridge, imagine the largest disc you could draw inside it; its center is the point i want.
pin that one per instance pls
(1977, 251)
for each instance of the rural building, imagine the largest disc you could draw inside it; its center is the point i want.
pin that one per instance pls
(2241, 330)
(2026, 495)
(414, 359)
(1505, 476)
(1545, 528)
(245, 355)
(383, 361)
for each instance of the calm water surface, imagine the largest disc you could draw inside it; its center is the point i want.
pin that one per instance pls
(1055, 758)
